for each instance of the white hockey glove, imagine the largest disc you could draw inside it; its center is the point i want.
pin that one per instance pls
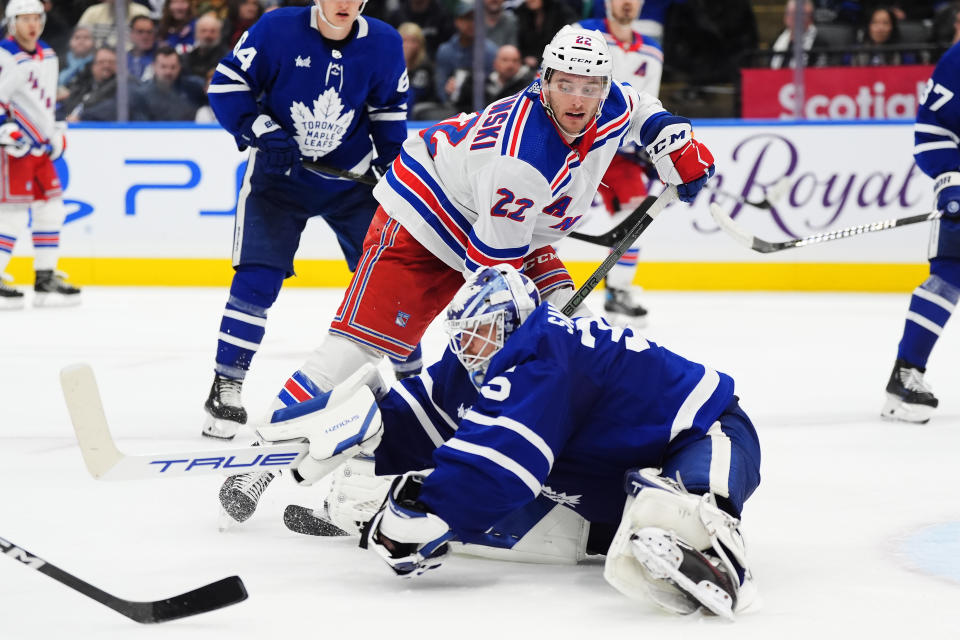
(680, 159)
(14, 141)
(336, 424)
(356, 494)
(679, 550)
(404, 532)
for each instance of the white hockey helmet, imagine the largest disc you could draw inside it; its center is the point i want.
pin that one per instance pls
(490, 306)
(21, 8)
(578, 51)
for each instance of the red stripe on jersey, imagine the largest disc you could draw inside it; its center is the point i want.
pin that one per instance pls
(416, 184)
(517, 132)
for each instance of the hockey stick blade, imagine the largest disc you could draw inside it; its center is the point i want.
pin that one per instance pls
(105, 462)
(649, 210)
(302, 520)
(215, 595)
(765, 246)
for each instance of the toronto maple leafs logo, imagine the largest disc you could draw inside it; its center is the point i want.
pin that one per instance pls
(320, 130)
(303, 62)
(560, 497)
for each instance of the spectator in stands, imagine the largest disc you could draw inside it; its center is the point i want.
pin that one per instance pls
(102, 19)
(219, 8)
(455, 56)
(430, 16)
(177, 25)
(537, 22)
(205, 114)
(501, 24)
(423, 93)
(170, 94)
(508, 77)
(783, 45)
(79, 54)
(143, 48)
(241, 14)
(93, 92)
(208, 47)
(880, 30)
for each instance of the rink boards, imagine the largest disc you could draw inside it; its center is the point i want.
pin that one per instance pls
(154, 205)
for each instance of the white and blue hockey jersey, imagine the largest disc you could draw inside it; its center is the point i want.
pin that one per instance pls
(568, 406)
(639, 63)
(937, 131)
(28, 88)
(332, 97)
(489, 188)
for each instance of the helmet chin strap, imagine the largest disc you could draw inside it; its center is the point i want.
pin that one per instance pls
(553, 116)
(323, 16)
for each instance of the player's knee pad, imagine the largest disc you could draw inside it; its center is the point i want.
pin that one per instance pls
(696, 519)
(48, 215)
(257, 285)
(335, 360)
(944, 278)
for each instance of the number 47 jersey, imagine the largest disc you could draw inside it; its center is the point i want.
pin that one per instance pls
(489, 188)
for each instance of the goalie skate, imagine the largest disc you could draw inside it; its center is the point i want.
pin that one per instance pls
(680, 578)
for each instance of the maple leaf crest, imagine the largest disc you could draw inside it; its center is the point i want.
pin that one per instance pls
(320, 130)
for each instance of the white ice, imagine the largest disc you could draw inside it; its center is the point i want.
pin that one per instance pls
(841, 491)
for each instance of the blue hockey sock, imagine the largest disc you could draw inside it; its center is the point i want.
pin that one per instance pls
(412, 366)
(253, 291)
(931, 305)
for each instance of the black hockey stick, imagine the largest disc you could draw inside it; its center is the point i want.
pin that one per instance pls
(765, 246)
(770, 196)
(649, 210)
(215, 595)
(607, 239)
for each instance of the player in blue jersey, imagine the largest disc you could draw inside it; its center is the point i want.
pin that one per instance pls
(529, 409)
(937, 153)
(320, 83)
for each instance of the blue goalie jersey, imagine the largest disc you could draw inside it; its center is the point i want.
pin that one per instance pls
(937, 132)
(567, 407)
(331, 96)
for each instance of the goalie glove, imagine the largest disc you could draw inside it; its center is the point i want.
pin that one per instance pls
(680, 160)
(13, 140)
(405, 533)
(278, 151)
(946, 192)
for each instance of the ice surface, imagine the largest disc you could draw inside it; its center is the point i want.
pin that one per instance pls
(829, 528)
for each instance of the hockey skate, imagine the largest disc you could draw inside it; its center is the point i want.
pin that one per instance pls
(241, 493)
(10, 297)
(622, 308)
(50, 290)
(225, 413)
(909, 398)
(680, 578)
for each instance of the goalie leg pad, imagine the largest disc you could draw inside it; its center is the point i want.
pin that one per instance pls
(694, 520)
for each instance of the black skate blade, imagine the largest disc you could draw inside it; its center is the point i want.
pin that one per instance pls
(301, 520)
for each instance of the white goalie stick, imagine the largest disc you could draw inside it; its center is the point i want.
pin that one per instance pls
(209, 597)
(606, 239)
(771, 195)
(106, 462)
(765, 246)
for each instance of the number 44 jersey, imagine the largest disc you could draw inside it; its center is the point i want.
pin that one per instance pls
(489, 188)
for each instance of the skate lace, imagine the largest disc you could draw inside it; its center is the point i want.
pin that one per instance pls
(228, 391)
(913, 380)
(253, 484)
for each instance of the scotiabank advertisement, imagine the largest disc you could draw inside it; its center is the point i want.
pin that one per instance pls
(835, 93)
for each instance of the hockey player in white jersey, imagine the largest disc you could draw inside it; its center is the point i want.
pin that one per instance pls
(30, 139)
(495, 187)
(530, 415)
(637, 61)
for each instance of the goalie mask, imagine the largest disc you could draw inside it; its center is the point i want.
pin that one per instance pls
(22, 8)
(582, 53)
(490, 306)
